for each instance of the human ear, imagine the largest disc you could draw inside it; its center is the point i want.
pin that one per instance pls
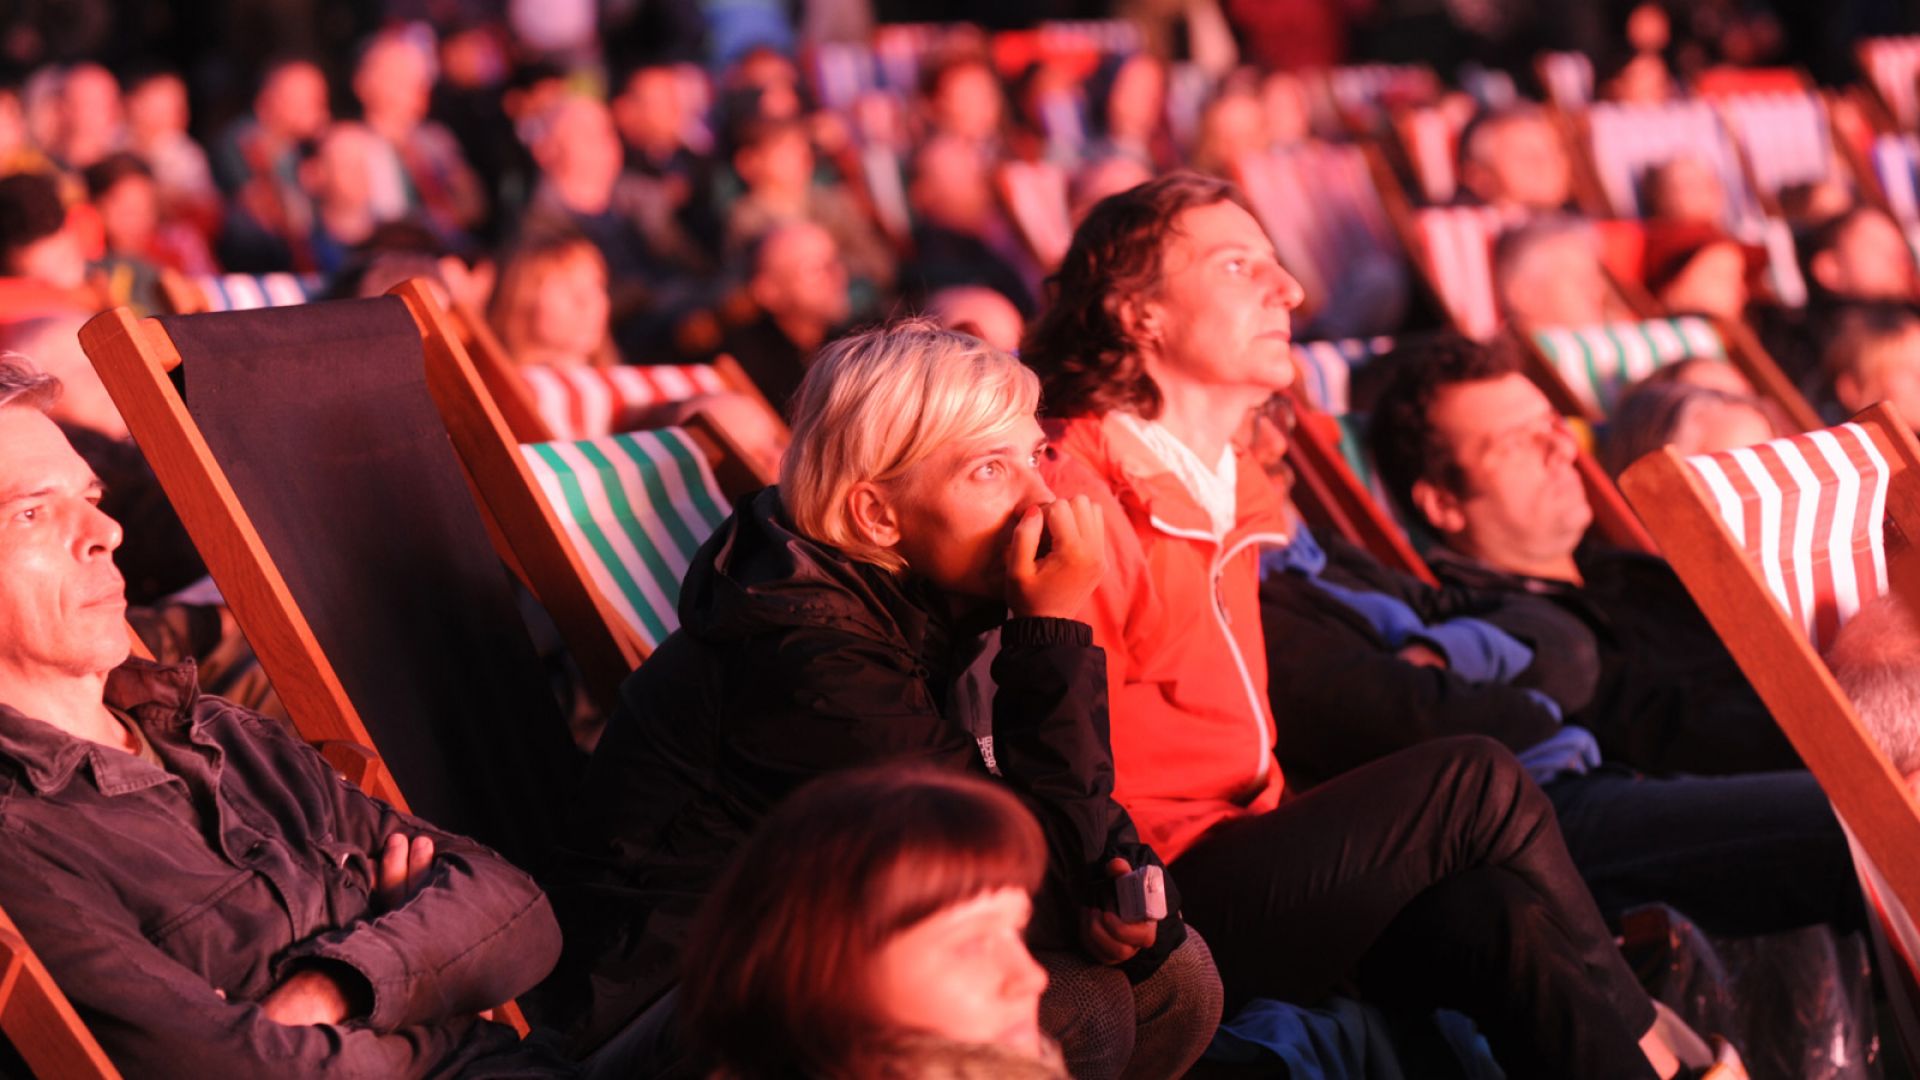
(873, 516)
(1850, 391)
(1440, 508)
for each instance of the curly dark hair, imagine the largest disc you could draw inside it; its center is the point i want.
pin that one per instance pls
(1085, 358)
(1400, 434)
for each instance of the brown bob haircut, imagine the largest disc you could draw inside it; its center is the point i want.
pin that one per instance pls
(777, 966)
(1086, 360)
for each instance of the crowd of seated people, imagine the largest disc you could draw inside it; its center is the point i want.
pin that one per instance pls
(1026, 726)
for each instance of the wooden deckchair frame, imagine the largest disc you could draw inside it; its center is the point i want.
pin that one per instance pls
(476, 394)
(1330, 496)
(1776, 655)
(133, 358)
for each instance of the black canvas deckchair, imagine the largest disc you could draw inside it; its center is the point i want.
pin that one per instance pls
(309, 464)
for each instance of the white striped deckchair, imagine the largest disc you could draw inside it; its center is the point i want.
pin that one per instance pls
(1628, 140)
(588, 402)
(1780, 544)
(1035, 193)
(1458, 262)
(900, 49)
(1114, 37)
(635, 507)
(842, 71)
(1361, 90)
(1318, 204)
(1597, 363)
(1892, 64)
(247, 292)
(1567, 78)
(1787, 138)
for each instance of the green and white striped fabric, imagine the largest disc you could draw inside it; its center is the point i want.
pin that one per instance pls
(636, 506)
(1598, 362)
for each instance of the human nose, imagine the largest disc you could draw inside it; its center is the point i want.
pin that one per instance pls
(98, 534)
(1285, 288)
(1038, 492)
(1025, 978)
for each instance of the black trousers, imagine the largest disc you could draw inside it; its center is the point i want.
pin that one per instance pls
(1435, 877)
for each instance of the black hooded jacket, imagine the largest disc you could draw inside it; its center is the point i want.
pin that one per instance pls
(793, 661)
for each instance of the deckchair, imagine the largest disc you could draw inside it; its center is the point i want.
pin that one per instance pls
(1454, 254)
(1320, 205)
(306, 459)
(1035, 196)
(1325, 369)
(1892, 64)
(533, 421)
(1780, 544)
(1584, 370)
(600, 530)
(39, 1021)
(192, 295)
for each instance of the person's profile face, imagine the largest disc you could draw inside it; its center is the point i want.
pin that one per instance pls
(1521, 498)
(1530, 166)
(1222, 318)
(964, 974)
(62, 601)
(1873, 260)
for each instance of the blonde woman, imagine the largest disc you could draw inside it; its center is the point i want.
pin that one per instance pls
(905, 595)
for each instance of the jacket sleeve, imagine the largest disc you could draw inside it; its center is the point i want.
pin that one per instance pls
(152, 1013)
(1341, 698)
(1051, 741)
(478, 933)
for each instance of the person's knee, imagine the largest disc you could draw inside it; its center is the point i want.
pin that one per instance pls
(1178, 1008)
(1088, 1009)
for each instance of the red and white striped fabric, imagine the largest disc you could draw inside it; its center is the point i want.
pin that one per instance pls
(590, 403)
(1786, 137)
(1893, 63)
(1459, 254)
(1809, 511)
(1628, 140)
(1896, 158)
(899, 48)
(1319, 205)
(1326, 369)
(1360, 88)
(1568, 78)
(1114, 36)
(1036, 194)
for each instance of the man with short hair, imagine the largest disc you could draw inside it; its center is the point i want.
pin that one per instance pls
(1473, 452)
(1547, 273)
(1873, 355)
(211, 896)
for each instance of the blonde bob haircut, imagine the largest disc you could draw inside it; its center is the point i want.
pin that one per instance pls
(876, 404)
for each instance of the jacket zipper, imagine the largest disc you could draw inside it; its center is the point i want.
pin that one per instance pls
(1264, 750)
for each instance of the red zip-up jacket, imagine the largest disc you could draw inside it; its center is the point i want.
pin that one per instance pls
(1179, 617)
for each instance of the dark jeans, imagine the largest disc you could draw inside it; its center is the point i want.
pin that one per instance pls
(1438, 878)
(1739, 855)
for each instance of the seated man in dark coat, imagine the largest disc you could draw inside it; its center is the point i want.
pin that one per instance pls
(1457, 439)
(211, 896)
(1364, 661)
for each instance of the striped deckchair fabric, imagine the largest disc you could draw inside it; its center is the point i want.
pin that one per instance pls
(1326, 369)
(1892, 64)
(1824, 523)
(1787, 138)
(1361, 91)
(1188, 87)
(1599, 362)
(1808, 512)
(1318, 203)
(1036, 196)
(842, 71)
(1628, 140)
(1459, 263)
(588, 402)
(1567, 78)
(247, 292)
(635, 507)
